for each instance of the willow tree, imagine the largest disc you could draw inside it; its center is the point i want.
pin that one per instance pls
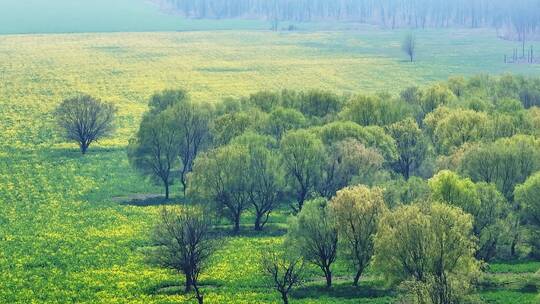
(357, 211)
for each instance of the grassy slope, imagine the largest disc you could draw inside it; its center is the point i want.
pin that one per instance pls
(63, 235)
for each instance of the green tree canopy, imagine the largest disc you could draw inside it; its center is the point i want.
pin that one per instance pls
(430, 249)
(303, 156)
(357, 211)
(314, 235)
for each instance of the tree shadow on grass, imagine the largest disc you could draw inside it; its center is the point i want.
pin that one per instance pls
(171, 287)
(145, 200)
(341, 291)
(270, 230)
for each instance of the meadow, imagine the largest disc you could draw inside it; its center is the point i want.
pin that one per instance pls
(68, 232)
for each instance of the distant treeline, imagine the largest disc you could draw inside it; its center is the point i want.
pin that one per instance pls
(521, 16)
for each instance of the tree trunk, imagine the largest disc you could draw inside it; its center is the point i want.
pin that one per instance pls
(285, 298)
(184, 185)
(198, 294)
(357, 278)
(258, 222)
(407, 171)
(236, 228)
(84, 148)
(189, 283)
(328, 276)
(166, 184)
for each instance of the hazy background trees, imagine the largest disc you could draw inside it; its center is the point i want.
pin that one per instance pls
(516, 19)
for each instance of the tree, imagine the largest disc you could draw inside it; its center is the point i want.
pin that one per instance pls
(285, 271)
(374, 110)
(401, 191)
(314, 234)
(219, 177)
(230, 125)
(282, 120)
(527, 195)
(357, 211)
(433, 97)
(264, 172)
(166, 99)
(409, 46)
(184, 243)
(85, 120)
(371, 137)
(318, 103)
(458, 127)
(192, 121)
(303, 157)
(429, 249)
(347, 161)
(505, 162)
(483, 201)
(154, 149)
(411, 146)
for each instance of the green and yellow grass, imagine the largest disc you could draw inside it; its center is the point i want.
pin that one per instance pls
(65, 235)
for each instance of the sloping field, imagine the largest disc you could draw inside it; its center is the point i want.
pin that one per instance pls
(65, 235)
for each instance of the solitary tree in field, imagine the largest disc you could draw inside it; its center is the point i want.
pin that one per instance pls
(85, 120)
(357, 212)
(409, 46)
(314, 234)
(154, 149)
(185, 244)
(285, 271)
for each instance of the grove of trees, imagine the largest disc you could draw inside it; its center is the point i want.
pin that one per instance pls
(425, 187)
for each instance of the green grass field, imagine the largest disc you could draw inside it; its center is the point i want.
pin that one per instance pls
(66, 234)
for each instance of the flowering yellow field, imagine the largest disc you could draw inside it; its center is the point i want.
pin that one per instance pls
(64, 236)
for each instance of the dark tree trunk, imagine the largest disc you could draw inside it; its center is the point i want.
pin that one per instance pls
(84, 148)
(258, 222)
(198, 294)
(184, 185)
(236, 228)
(357, 278)
(189, 283)
(328, 276)
(285, 298)
(166, 184)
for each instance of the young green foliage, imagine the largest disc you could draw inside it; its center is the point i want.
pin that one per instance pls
(314, 235)
(429, 249)
(154, 149)
(357, 211)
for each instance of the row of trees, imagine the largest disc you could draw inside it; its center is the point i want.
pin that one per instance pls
(520, 16)
(428, 248)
